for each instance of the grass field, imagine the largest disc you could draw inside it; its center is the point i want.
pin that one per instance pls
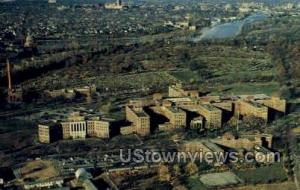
(266, 174)
(186, 76)
(136, 81)
(269, 88)
(237, 70)
(193, 183)
(275, 186)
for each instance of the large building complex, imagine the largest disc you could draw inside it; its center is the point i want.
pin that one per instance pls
(176, 116)
(178, 91)
(180, 109)
(47, 132)
(75, 126)
(275, 103)
(212, 115)
(250, 108)
(139, 118)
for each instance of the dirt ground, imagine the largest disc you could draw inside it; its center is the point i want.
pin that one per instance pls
(38, 170)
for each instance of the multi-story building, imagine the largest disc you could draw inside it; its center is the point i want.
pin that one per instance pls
(202, 147)
(102, 128)
(225, 105)
(165, 126)
(176, 91)
(77, 126)
(247, 108)
(117, 5)
(74, 126)
(99, 128)
(139, 118)
(274, 103)
(66, 93)
(197, 123)
(246, 142)
(176, 116)
(212, 115)
(183, 102)
(127, 130)
(141, 102)
(48, 132)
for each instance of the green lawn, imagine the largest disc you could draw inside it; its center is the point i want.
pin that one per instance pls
(268, 88)
(186, 76)
(266, 174)
(193, 183)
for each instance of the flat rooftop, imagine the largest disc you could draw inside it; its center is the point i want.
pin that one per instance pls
(210, 107)
(254, 96)
(141, 114)
(179, 99)
(255, 104)
(48, 123)
(175, 110)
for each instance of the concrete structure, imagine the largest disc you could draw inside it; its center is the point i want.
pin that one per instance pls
(44, 184)
(202, 147)
(264, 155)
(74, 126)
(212, 115)
(66, 93)
(86, 90)
(141, 102)
(176, 91)
(139, 118)
(225, 105)
(176, 116)
(245, 141)
(184, 102)
(99, 128)
(157, 96)
(48, 132)
(115, 6)
(51, 1)
(84, 178)
(250, 108)
(197, 123)
(127, 130)
(274, 103)
(77, 126)
(28, 41)
(165, 127)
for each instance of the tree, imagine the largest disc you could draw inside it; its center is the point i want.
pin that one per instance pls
(191, 168)
(163, 173)
(180, 187)
(176, 170)
(253, 122)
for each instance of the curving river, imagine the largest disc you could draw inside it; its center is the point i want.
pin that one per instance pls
(230, 29)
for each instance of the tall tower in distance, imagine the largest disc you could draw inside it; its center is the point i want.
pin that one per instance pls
(13, 95)
(9, 85)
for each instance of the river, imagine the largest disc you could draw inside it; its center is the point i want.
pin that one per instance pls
(229, 30)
